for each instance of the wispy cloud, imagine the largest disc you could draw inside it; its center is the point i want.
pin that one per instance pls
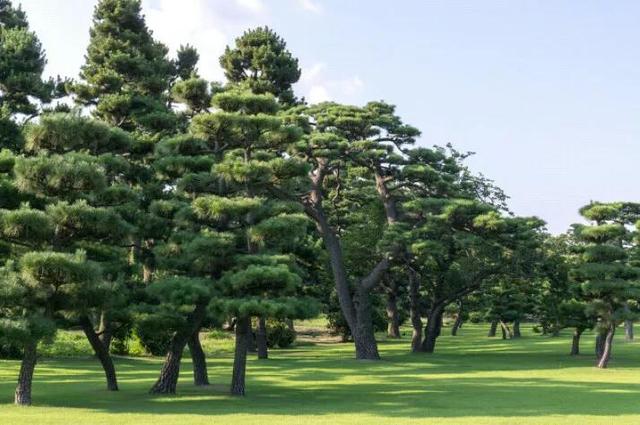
(317, 86)
(310, 6)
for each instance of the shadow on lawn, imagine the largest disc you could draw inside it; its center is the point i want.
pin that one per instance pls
(459, 381)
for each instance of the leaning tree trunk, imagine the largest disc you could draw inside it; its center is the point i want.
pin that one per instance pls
(432, 329)
(628, 330)
(101, 353)
(243, 331)
(363, 332)
(506, 331)
(575, 343)
(516, 329)
(458, 323)
(25, 378)
(600, 339)
(290, 325)
(168, 379)
(198, 359)
(261, 338)
(105, 330)
(493, 328)
(608, 345)
(393, 318)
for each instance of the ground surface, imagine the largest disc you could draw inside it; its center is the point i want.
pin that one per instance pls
(471, 379)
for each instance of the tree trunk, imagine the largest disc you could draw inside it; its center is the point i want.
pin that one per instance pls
(516, 329)
(416, 320)
(198, 359)
(628, 330)
(261, 338)
(243, 331)
(600, 339)
(493, 328)
(575, 343)
(393, 319)
(608, 345)
(105, 330)
(168, 379)
(290, 325)
(364, 336)
(101, 353)
(506, 331)
(432, 329)
(28, 365)
(458, 323)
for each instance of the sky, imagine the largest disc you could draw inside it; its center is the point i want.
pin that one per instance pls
(546, 93)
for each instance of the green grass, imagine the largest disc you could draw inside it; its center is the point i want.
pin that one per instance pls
(471, 379)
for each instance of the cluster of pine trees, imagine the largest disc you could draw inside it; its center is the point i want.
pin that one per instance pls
(141, 198)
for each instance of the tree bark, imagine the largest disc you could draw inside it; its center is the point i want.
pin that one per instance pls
(105, 330)
(393, 318)
(414, 305)
(458, 323)
(198, 359)
(290, 325)
(261, 338)
(101, 353)
(25, 378)
(628, 330)
(432, 329)
(516, 329)
(600, 339)
(168, 379)
(243, 330)
(575, 343)
(506, 332)
(493, 328)
(608, 346)
(364, 336)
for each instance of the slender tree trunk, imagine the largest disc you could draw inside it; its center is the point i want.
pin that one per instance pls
(575, 343)
(600, 339)
(516, 329)
(25, 378)
(393, 318)
(105, 330)
(414, 304)
(608, 345)
(364, 335)
(261, 338)
(628, 330)
(198, 359)
(168, 379)
(243, 331)
(506, 331)
(432, 329)
(101, 353)
(493, 328)
(252, 344)
(458, 323)
(290, 325)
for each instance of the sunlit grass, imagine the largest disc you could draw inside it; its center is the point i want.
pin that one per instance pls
(471, 379)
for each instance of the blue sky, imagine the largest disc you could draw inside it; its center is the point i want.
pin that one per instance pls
(547, 93)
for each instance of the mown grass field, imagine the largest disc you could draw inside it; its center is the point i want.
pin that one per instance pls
(471, 379)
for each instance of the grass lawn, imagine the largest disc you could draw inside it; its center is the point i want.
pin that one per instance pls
(471, 379)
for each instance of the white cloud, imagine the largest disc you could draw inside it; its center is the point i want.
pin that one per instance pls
(317, 94)
(310, 6)
(209, 25)
(317, 86)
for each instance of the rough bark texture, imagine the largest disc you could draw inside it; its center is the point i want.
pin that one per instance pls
(364, 336)
(606, 351)
(198, 359)
(414, 305)
(458, 323)
(432, 329)
(25, 378)
(516, 329)
(261, 339)
(243, 331)
(105, 331)
(493, 328)
(628, 330)
(393, 318)
(575, 343)
(168, 379)
(101, 353)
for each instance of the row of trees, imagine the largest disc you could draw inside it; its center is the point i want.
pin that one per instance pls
(142, 198)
